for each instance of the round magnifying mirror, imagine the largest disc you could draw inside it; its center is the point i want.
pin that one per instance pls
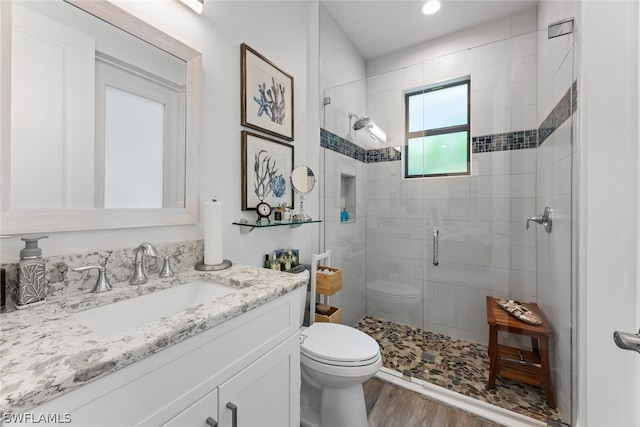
(302, 179)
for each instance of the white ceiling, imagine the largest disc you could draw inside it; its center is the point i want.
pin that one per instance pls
(379, 27)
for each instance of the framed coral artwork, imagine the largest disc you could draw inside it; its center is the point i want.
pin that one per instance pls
(267, 95)
(266, 171)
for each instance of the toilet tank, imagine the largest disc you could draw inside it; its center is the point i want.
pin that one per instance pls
(303, 296)
(302, 271)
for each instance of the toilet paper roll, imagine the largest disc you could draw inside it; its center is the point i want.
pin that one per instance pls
(212, 233)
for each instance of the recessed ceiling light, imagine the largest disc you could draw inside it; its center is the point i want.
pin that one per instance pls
(196, 5)
(431, 7)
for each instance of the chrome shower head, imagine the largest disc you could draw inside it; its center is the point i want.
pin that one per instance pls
(360, 123)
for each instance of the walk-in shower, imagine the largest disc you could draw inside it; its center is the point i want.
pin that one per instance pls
(522, 96)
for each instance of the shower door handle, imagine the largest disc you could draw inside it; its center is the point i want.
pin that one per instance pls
(436, 243)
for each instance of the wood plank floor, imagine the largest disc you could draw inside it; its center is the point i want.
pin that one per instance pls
(391, 406)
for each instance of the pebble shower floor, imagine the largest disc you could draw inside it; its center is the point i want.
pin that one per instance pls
(457, 365)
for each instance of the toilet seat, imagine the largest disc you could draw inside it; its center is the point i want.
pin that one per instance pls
(338, 345)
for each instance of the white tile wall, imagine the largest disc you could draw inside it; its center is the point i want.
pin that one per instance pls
(484, 248)
(500, 61)
(347, 241)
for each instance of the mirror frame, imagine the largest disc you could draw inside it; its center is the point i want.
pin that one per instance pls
(15, 221)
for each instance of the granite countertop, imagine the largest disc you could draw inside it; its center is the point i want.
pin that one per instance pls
(45, 351)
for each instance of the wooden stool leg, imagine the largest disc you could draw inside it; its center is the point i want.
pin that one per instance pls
(493, 355)
(545, 373)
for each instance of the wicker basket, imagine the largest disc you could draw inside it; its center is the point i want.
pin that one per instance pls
(332, 316)
(328, 284)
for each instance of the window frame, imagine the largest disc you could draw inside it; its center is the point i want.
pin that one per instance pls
(119, 75)
(437, 131)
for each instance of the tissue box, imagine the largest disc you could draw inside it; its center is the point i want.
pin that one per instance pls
(288, 258)
(328, 284)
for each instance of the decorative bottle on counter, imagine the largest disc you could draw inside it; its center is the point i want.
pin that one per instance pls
(32, 286)
(275, 265)
(267, 262)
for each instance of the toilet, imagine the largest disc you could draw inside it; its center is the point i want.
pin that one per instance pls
(335, 360)
(395, 301)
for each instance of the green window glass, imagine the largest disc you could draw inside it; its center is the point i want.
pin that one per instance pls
(437, 141)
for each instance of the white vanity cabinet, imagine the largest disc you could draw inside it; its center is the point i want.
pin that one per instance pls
(251, 361)
(260, 395)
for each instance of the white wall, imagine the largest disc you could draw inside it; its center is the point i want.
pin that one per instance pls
(340, 66)
(341, 63)
(218, 33)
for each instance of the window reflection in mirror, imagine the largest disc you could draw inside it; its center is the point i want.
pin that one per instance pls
(97, 115)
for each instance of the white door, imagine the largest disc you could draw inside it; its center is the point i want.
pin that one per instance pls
(609, 213)
(203, 413)
(266, 393)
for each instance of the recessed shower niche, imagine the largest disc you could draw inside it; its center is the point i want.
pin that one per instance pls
(347, 198)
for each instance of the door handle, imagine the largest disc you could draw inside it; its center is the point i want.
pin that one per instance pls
(436, 244)
(627, 341)
(234, 414)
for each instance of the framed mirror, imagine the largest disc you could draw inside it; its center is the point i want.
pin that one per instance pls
(100, 120)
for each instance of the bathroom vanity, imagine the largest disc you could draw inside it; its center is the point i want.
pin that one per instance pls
(234, 360)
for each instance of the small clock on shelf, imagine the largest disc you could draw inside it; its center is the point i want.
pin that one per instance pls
(263, 209)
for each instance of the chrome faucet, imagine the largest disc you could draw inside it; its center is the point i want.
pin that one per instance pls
(102, 284)
(138, 277)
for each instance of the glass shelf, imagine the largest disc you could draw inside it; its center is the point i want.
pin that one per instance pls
(266, 224)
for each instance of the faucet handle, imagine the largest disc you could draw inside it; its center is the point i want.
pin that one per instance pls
(546, 219)
(166, 267)
(102, 284)
(538, 219)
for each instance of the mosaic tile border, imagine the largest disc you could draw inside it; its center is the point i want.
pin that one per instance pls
(507, 141)
(387, 154)
(340, 145)
(517, 140)
(563, 110)
(480, 144)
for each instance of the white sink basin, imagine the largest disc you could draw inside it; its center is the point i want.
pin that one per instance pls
(121, 316)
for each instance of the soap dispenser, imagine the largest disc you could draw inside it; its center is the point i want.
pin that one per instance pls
(32, 286)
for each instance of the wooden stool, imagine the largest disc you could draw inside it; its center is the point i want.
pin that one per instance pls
(531, 367)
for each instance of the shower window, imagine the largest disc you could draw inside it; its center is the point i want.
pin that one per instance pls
(437, 141)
